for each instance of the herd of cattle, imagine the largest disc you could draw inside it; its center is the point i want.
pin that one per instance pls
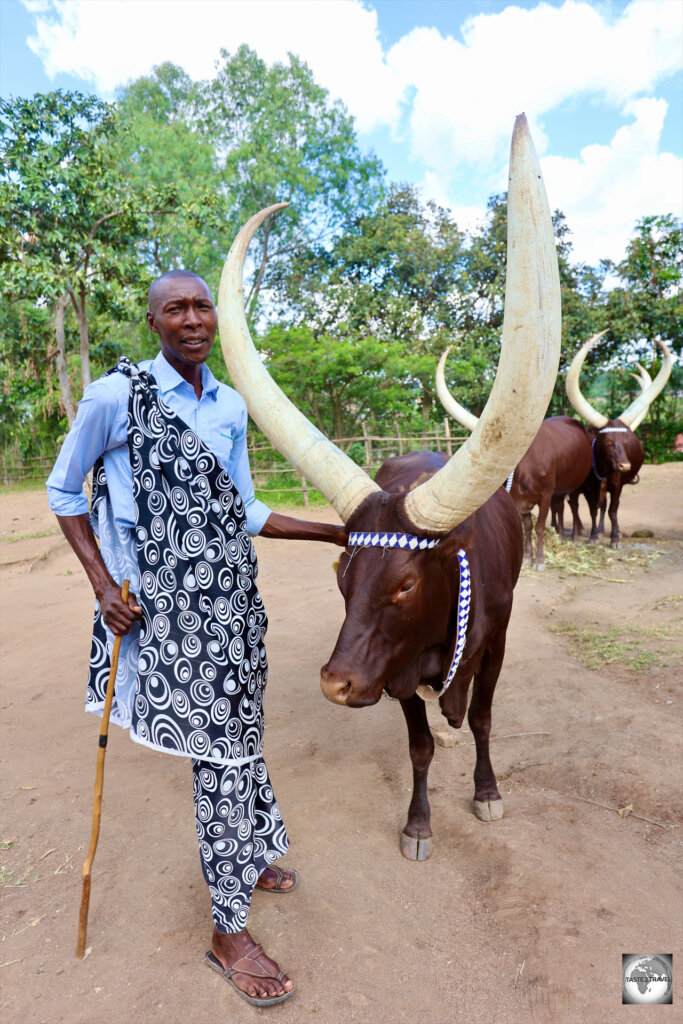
(566, 459)
(435, 543)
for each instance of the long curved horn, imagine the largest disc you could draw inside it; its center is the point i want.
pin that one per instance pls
(644, 380)
(639, 406)
(334, 474)
(582, 405)
(453, 408)
(529, 358)
(642, 376)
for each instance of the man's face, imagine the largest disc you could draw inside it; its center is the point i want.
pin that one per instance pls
(184, 317)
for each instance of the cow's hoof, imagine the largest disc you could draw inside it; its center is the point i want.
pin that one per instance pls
(413, 848)
(488, 810)
(539, 566)
(614, 545)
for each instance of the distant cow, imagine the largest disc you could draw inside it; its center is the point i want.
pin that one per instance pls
(617, 452)
(556, 463)
(435, 543)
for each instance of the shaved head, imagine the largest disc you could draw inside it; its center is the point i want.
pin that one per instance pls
(158, 287)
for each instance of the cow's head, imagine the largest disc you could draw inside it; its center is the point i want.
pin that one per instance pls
(612, 449)
(530, 350)
(398, 606)
(616, 451)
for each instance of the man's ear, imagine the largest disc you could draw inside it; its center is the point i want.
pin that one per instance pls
(150, 322)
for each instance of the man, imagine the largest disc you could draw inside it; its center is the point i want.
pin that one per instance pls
(173, 504)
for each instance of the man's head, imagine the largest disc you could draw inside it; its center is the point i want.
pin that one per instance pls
(182, 313)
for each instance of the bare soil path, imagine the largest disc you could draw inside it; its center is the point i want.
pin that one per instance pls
(513, 921)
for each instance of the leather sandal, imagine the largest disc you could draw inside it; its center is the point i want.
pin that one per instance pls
(250, 966)
(280, 875)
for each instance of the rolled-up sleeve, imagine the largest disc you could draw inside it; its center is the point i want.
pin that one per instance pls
(85, 442)
(257, 511)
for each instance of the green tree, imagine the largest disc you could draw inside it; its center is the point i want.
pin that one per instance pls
(164, 147)
(648, 304)
(280, 138)
(392, 277)
(70, 225)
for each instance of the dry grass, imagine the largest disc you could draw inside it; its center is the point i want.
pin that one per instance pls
(565, 559)
(638, 649)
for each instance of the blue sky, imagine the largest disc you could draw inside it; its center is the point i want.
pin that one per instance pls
(433, 86)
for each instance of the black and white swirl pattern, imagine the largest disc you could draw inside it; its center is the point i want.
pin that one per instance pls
(197, 661)
(240, 833)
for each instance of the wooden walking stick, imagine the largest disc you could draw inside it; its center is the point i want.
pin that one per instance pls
(99, 782)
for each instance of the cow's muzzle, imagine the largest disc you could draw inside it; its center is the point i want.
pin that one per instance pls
(350, 689)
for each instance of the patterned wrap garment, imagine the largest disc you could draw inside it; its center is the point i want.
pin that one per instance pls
(193, 685)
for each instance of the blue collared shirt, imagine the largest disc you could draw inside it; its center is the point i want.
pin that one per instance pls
(219, 418)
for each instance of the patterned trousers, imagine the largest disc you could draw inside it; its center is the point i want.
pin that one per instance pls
(240, 833)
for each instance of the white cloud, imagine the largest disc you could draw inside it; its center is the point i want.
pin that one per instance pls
(109, 42)
(451, 102)
(468, 93)
(609, 187)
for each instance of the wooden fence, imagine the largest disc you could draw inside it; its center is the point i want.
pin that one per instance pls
(270, 471)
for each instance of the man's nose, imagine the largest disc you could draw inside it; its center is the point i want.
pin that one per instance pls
(192, 317)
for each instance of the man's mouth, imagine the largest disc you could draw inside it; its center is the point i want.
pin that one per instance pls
(194, 342)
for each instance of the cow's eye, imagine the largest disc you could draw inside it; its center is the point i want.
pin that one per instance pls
(407, 586)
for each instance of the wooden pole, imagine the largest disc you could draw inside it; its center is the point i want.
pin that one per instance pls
(368, 449)
(99, 782)
(304, 486)
(400, 439)
(447, 431)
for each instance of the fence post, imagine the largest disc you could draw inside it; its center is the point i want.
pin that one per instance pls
(400, 439)
(304, 486)
(368, 450)
(447, 431)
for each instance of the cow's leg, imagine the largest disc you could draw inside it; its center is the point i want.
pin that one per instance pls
(528, 550)
(577, 525)
(595, 533)
(543, 507)
(488, 805)
(613, 509)
(557, 507)
(601, 524)
(416, 843)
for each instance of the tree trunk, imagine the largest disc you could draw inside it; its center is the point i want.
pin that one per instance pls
(256, 287)
(427, 402)
(60, 360)
(85, 341)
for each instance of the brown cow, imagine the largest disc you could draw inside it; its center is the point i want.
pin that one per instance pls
(404, 621)
(400, 628)
(617, 452)
(556, 463)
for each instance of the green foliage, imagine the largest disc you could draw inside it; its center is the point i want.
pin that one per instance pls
(353, 293)
(68, 219)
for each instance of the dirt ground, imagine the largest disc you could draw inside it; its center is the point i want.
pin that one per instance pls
(519, 920)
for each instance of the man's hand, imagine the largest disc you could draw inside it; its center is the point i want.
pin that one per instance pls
(119, 617)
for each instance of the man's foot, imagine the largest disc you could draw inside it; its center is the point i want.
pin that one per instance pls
(275, 879)
(256, 977)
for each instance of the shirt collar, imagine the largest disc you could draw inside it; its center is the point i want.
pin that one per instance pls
(168, 378)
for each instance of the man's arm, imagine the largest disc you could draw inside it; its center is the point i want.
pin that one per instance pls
(89, 436)
(117, 615)
(287, 528)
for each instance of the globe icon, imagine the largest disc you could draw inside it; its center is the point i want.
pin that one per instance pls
(647, 979)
